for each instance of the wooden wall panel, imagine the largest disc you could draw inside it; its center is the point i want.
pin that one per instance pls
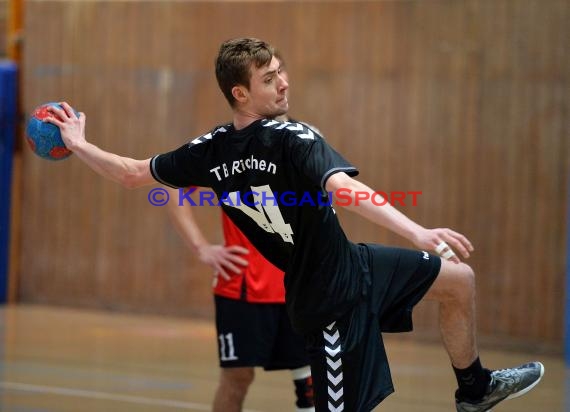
(3, 27)
(465, 101)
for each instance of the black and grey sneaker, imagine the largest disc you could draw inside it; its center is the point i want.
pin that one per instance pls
(505, 384)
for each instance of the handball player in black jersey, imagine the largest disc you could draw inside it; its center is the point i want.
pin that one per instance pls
(273, 180)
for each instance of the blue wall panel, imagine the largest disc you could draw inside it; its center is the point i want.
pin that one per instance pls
(8, 113)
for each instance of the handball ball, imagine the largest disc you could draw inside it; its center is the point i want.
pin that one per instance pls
(44, 138)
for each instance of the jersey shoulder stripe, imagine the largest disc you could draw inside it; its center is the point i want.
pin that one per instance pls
(208, 136)
(299, 129)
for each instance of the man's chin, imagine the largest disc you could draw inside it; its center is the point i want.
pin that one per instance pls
(277, 113)
(284, 108)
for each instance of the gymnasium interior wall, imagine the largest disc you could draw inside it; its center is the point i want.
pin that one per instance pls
(464, 101)
(3, 27)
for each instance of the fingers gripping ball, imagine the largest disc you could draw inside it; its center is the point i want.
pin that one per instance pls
(45, 138)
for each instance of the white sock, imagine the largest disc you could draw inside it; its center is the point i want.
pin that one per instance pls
(301, 373)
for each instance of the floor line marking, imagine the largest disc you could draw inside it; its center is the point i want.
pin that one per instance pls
(81, 393)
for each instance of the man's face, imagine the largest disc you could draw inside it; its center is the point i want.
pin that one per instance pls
(284, 74)
(268, 90)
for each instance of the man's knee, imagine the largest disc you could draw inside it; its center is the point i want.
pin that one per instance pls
(464, 285)
(456, 282)
(467, 275)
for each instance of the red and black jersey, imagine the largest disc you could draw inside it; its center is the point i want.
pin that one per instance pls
(270, 178)
(259, 281)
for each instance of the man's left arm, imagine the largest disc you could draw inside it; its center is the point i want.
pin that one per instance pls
(392, 219)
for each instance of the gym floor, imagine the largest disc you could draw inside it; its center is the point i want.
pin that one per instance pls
(59, 359)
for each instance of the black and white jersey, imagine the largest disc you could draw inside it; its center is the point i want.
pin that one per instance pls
(269, 178)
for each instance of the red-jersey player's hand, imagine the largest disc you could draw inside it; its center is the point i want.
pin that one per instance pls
(224, 259)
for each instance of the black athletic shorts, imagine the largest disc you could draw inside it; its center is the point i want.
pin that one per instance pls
(257, 334)
(348, 361)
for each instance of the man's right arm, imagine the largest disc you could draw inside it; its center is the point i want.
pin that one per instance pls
(130, 173)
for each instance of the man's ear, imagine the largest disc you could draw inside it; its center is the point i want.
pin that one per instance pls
(240, 93)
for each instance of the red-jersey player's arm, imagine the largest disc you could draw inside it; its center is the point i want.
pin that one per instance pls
(224, 259)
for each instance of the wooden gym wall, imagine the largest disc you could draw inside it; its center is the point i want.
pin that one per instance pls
(465, 101)
(3, 26)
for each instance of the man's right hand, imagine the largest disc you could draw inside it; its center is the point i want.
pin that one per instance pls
(224, 259)
(71, 126)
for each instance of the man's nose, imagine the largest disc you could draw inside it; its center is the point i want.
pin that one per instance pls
(284, 83)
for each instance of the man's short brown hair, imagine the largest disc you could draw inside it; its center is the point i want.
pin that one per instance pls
(234, 61)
